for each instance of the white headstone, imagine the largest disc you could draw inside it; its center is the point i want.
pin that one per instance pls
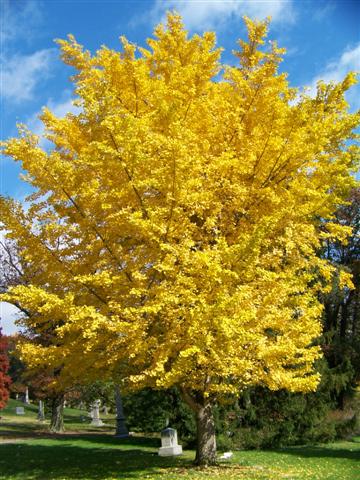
(20, 411)
(169, 445)
(96, 421)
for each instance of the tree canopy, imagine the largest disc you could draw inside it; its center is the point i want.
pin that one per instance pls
(176, 220)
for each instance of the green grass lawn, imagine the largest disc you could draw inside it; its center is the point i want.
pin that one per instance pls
(27, 451)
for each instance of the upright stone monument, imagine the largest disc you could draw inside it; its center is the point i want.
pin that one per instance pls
(121, 429)
(41, 413)
(20, 411)
(105, 410)
(169, 445)
(96, 421)
(26, 396)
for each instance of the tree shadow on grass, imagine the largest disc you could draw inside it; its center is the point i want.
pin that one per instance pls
(21, 430)
(321, 452)
(76, 461)
(132, 441)
(107, 440)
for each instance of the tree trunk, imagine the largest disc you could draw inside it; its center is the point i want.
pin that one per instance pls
(344, 319)
(206, 440)
(356, 316)
(205, 429)
(57, 414)
(331, 315)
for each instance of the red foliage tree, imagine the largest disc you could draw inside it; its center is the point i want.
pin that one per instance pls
(4, 366)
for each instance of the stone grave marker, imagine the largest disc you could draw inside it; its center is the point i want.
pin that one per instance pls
(121, 429)
(41, 412)
(26, 396)
(20, 411)
(169, 445)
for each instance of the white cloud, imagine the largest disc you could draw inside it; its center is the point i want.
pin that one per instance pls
(22, 73)
(19, 19)
(348, 61)
(324, 11)
(212, 14)
(64, 106)
(336, 70)
(8, 315)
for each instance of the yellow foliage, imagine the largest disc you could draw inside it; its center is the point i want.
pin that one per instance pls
(174, 231)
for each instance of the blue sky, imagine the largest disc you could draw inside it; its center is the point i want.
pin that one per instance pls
(322, 39)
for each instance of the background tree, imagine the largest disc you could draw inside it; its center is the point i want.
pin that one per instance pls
(16, 369)
(342, 304)
(103, 391)
(4, 367)
(177, 219)
(41, 379)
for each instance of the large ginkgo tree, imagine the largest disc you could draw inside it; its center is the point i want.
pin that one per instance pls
(176, 219)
